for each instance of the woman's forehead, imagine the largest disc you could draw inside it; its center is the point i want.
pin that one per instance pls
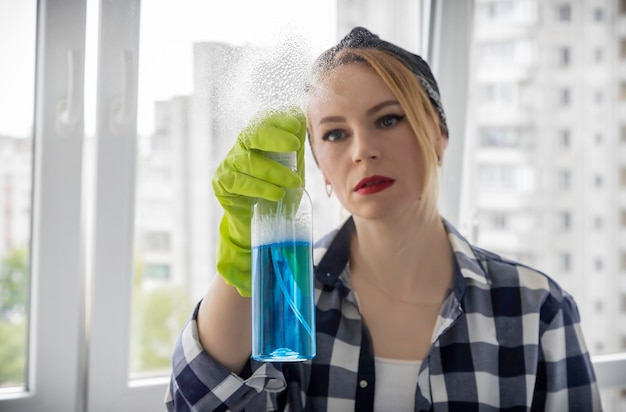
(348, 84)
(340, 72)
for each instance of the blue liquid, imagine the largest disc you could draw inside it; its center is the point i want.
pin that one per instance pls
(283, 302)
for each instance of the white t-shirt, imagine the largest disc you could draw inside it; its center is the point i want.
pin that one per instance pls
(396, 382)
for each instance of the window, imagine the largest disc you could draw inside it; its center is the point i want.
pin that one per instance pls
(157, 241)
(598, 181)
(156, 271)
(161, 142)
(503, 52)
(564, 56)
(598, 14)
(565, 220)
(504, 177)
(564, 97)
(489, 9)
(564, 13)
(564, 179)
(566, 262)
(496, 10)
(498, 220)
(497, 52)
(598, 97)
(16, 162)
(598, 222)
(501, 137)
(598, 54)
(599, 138)
(499, 93)
(143, 182)
(599, 306)
(599, 265)
(40, 243)
(565, 138)
(131, 330)
(187, 124)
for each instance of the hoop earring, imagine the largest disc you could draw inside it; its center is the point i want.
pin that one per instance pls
(329, 189)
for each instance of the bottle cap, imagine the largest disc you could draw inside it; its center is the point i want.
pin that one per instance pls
(287, 159)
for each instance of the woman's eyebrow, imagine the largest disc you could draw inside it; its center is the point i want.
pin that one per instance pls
(331, 119)
(369, 112)
(381, 105)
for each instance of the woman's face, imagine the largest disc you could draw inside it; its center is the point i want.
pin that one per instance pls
(364, 144)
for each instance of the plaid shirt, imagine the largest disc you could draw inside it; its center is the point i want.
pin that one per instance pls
(507, 338)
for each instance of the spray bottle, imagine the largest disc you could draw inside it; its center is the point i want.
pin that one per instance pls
(283, 298)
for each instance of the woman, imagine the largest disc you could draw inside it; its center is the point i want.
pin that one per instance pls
(410, 316)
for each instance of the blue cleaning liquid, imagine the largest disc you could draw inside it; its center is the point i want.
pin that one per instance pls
(283, 304)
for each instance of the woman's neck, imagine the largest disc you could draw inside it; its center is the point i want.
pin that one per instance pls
(410, 259)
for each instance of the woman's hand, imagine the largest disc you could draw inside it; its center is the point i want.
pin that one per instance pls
(245, 175)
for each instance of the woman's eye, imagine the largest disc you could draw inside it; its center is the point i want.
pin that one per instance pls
(390, 120)
(333, 135)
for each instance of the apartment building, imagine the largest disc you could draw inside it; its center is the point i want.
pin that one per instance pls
(546, 148)
(15, 193)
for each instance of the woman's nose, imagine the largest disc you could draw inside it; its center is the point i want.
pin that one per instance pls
(364, 148)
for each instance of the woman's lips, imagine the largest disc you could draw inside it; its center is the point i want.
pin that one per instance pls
(373, 184)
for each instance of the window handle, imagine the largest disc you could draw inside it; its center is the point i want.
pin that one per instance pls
(122, 109)
(69, 108)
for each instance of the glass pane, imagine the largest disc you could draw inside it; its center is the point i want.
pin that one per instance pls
(200, 81)
(17, 73)
(548, 148)
(196, 91)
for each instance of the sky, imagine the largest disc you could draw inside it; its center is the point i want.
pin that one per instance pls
(168, 29)
(17, 66)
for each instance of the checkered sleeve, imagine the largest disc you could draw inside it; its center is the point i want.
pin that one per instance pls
(199, 383)
(565, 379)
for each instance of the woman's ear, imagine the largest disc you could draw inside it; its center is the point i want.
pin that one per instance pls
(328, 188)
(439, 138)
(441, 144)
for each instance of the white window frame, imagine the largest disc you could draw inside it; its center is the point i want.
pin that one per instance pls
(112, 270)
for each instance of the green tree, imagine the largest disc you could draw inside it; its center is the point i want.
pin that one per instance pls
(12, 353)
(162, 315)
(159, 315)
(14, 283)
(13, 301)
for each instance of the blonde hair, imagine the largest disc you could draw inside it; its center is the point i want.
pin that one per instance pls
(405, 86)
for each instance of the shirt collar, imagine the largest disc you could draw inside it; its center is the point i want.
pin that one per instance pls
(333, 253)
(470, 266)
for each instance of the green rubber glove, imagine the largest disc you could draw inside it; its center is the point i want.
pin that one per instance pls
(245, 175)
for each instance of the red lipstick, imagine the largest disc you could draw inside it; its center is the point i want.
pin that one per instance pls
(373, 184)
